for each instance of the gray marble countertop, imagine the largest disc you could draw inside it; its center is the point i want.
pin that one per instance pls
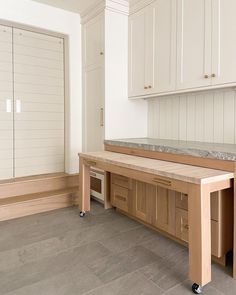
(192, 148)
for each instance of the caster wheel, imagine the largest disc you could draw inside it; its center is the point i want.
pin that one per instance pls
(82, 214)
(196, 289)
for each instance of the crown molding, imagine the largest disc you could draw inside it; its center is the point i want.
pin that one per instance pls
(139, 5)
(119, 6)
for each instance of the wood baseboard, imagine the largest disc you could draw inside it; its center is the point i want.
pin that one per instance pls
(30, 195)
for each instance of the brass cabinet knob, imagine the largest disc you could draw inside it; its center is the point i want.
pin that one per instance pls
(149, 86)
(186, 227)
(206, 76)
(145, 87)
(101, 53)
(213, 75)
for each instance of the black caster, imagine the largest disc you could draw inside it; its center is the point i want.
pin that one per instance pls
(82, 214)
(197, 289)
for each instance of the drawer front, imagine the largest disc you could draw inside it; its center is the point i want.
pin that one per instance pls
(121, 181)
(182, 229)
(182, 203)
(119, 197)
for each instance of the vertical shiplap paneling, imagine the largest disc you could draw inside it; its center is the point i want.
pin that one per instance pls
(162, 122)
(191, 106)
(218, 117)
(209, 118)
(199, 117)
(183, 118)
(202, 116)
(175, 118)
(169, 118)
(229, 117)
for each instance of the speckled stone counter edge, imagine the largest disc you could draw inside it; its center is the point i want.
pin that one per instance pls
(196, 152)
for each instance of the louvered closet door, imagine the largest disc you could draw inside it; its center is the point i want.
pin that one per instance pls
(6, 98)
(39, 103)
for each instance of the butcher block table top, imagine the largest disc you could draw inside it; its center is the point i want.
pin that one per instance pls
(182, 172)
(196, 182)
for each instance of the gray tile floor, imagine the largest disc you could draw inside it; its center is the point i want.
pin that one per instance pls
(105, 253)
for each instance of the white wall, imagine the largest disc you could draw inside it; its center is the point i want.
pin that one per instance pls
(123, 118)
(201, 116)
(42, 16)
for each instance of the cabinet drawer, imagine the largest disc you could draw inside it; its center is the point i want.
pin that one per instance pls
(182, 229)
(119, 197)
(121, 181)
(182, 203)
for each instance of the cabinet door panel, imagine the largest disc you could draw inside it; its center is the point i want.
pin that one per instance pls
(93, 36)
(93, 91)
(224, 42)
(137, 24)
(39, 104)
(162, 61)
(144, 201)
(6, 104)
(165, 210)
(193, 43)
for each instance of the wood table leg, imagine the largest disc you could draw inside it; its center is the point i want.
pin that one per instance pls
(84, 186)
(199, 214)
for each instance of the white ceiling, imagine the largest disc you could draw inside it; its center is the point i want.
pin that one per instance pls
(72, 5)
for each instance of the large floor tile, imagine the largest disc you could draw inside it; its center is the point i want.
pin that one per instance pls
(117, 265)
(130, 284)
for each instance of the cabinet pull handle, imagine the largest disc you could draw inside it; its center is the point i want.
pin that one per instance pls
(213, 75)
(206, 76)
(149, 86)
(101, 53)
(121, 198)
(91, 163)
(18, 106)
(8, 106)
(101, 117)
(186, 226)
(162, 181)
(93, 174)
(145, 87)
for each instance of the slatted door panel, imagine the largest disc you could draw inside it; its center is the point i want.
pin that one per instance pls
(6, 98)
(39, 103)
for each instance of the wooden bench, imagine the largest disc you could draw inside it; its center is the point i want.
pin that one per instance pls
(196, 182)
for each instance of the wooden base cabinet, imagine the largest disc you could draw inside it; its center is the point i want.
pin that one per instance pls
(167, 210)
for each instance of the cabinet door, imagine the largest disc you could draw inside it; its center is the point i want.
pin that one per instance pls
(137, 45)
(39, 103)
(93, 109)
(93, 40)
(6, 103)
(164, 215)
(144, 200)
(193, 43)
(162, 59)
(224, 42)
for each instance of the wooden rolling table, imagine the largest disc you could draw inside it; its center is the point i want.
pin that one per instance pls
(196, 182)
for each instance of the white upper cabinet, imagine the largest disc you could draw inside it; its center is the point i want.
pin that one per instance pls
(223, 42)
(137, 52)
(163, 38)
(152, 49)
(193, 43)
(182, 45)
(93, 41)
